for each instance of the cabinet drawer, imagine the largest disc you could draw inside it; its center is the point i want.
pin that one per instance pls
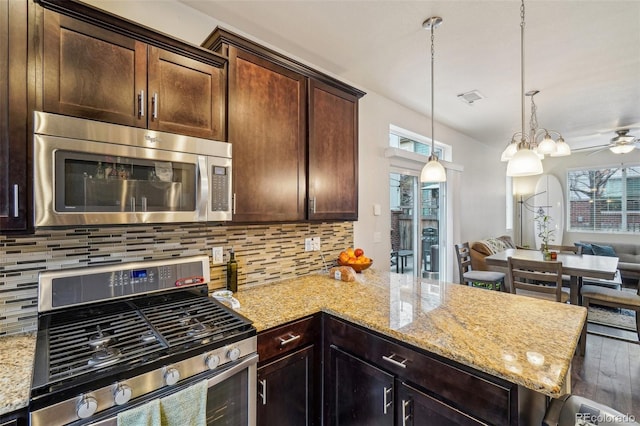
(282, 339)
(475, 393)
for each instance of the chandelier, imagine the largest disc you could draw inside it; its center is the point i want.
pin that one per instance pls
(525, 151)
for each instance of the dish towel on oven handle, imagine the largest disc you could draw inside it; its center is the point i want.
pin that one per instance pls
(185, 408)
(144, 415)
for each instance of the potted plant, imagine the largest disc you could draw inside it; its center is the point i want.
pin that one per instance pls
(545, 231)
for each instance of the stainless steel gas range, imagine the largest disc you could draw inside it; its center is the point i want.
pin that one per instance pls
(116, 338)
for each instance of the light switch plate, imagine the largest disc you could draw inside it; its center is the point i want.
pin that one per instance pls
(308, 245)
(315, 243)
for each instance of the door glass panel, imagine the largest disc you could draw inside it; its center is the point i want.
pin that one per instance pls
(416, 226)
(101, 183)
(228, 401)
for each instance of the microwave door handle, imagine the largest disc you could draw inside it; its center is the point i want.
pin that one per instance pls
(203, 181)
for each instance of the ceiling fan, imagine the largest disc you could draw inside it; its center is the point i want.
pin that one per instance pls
(622, 143)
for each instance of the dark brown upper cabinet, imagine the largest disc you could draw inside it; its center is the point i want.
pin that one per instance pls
(94, 72)
(294, 132)
(14, 172)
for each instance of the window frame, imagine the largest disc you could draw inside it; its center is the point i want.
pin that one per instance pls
(629, 222)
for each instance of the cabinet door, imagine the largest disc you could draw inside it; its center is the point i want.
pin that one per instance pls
(93, 73)
(358, 393)
(185, 96)
(13, 116)
(418, 408)
(267, 127)
(285, 390)
(333, 153)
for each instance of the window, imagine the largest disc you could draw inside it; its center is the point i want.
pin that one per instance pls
(604, 199)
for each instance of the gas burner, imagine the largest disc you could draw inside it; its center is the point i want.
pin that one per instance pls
(104, 356)
(198, 329)
(148, 336)
(100, 339)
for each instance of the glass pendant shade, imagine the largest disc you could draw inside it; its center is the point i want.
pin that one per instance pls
(525, 162)
(622, 149)
(433, 171)
(547, 146)
(509, 152)
(562, 148)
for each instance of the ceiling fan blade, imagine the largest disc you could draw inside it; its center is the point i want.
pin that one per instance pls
(604, 148)
(591, 148)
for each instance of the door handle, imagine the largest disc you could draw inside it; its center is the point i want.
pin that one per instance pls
(154, 104)
(16, 200)
(141, 101)
(406, 412)
(263, 394)
(391, 359)
(387, 399)
(291, 338)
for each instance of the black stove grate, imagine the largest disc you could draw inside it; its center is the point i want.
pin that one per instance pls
(75, 349)
(184, 321)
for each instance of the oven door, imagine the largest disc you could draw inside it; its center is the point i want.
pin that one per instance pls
(231, 396)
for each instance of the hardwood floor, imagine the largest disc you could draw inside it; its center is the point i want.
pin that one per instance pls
(609, 373)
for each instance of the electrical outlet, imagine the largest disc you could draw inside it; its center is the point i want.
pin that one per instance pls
(217, 256)
(308, 245)
(315, 243)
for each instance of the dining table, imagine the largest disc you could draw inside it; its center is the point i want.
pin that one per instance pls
(576, 266)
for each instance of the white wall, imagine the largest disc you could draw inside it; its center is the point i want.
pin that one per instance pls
(481, 199)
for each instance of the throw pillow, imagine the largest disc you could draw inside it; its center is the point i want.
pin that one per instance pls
(586, 248)
(507, 241)
(603, 250)
(496, 245)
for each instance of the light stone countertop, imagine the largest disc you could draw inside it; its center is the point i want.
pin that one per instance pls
(523, 340)
(16, 366)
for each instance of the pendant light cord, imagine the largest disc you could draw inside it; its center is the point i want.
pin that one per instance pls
(522, 64)
(432, 95)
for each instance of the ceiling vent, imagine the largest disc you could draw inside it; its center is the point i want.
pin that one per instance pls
(471, 97)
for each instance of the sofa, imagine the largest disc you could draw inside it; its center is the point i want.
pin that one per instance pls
(628, 255)
(483, 248)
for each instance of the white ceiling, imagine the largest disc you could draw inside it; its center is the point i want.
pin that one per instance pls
(583, 56)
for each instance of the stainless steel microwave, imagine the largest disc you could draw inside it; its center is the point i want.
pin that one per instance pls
(94, 173)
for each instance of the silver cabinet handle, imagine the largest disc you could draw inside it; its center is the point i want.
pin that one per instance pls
(233, 203)
(390, 359)
(16, 200)
(141, 101)
(406, 414)
(387, 398)
(312, 204)
(291, 338)
(154, 102)
(263, 394)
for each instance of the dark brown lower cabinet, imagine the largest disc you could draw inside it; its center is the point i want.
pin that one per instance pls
(416, 407)
(358, 392)
(285, 390)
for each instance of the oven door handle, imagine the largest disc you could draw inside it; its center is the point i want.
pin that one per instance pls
(219, 378)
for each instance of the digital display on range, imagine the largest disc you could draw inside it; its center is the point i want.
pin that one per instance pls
(140, 273)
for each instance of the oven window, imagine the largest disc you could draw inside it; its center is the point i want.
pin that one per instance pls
(103, 183)
(228, 401)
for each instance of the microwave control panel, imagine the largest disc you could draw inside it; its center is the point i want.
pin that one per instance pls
(220, 182)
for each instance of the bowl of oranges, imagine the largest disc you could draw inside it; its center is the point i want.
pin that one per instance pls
(354, 258)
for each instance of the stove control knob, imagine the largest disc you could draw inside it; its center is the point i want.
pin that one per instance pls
(87, 406)
(121, 394)
(212, 361)
(233, 354)
(171, 376)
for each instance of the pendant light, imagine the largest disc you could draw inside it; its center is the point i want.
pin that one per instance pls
(433, 170)
(525, 162)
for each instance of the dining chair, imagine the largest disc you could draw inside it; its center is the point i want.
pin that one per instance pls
(539, 279)
(485, 279)
(566, 279)
(612, 298)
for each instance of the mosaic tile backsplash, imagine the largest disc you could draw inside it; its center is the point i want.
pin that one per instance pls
(265, 254)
